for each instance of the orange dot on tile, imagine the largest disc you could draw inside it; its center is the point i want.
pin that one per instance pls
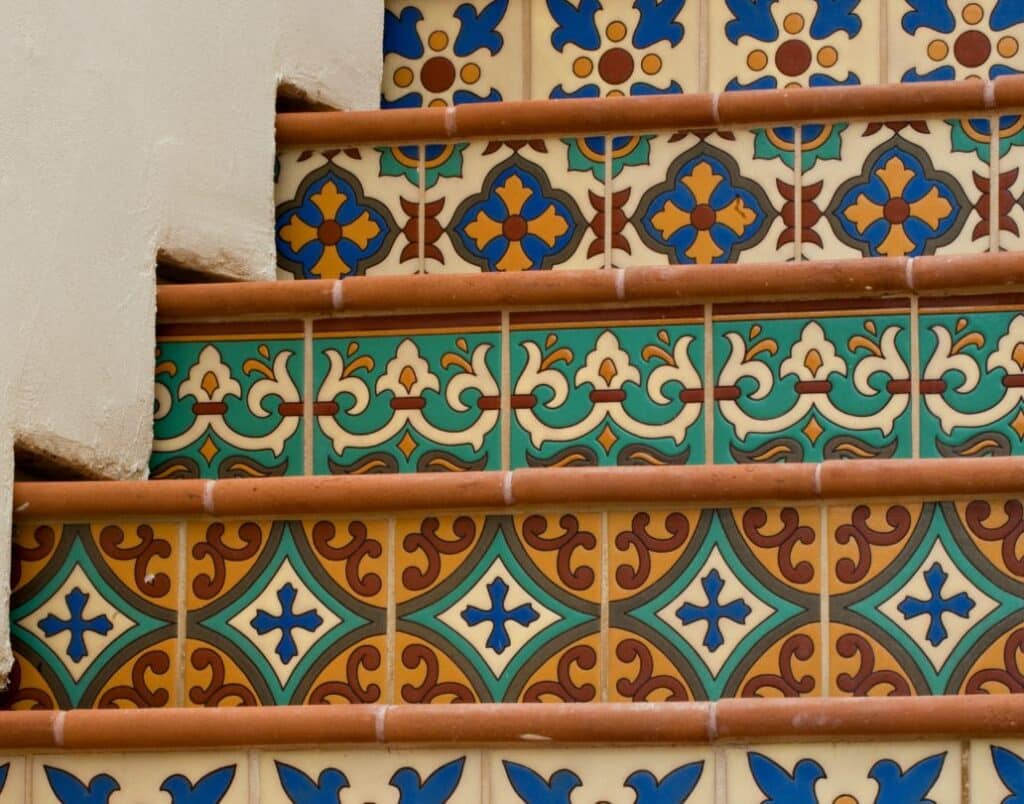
(972, 13)
(470, 73)
(757, 60)
(794, 85)
(650, 64)
(615, 93)
(437, 102)
(828, 56)
(438, 40)
(616, 31)
(937, 50)
(582, 67)
(403, 77)
(845, 799)
(1008, 47)
(793, 23)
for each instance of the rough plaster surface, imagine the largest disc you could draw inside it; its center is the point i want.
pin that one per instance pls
(131, 128)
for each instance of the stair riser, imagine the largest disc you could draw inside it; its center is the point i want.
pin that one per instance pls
(594, 601)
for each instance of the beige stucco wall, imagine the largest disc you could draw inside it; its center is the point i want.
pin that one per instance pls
(131, 127)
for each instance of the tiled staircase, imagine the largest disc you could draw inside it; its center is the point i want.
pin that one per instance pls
(687, 470)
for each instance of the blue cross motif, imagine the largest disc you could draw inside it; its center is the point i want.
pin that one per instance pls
(498, 616)
(714, 612)
(936, 605)
(286, 621)
(76, 624)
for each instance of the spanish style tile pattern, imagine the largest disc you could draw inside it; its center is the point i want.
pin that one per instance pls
(286, 612)
(925, 598)
(715, 603)
(437, 54)
(895, 190)
(347, 212)
(407, 395)
(798, 43)
(626, 392)
(812, 385)
(93, 615)
(997, 770)
(609, 49)
(228, 400)
(845, 774)
(972, 386)
(497, 608)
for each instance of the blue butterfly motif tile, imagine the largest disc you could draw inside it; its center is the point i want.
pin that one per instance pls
(997, 771)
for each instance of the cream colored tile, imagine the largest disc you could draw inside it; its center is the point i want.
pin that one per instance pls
(996, 771)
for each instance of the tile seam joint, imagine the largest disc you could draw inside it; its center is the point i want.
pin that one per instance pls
(450, 125)
(910, 273)
(506, 489)
(714, 108)
(817, 479)
(620, 283)
(378, 723)
(208, 496)
(712, 722)
(990, 94)
(58, 729)
(337, 295)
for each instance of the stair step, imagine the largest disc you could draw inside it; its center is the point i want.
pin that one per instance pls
(726, 752)
(655, 365)
(786, 175)
(619, 584)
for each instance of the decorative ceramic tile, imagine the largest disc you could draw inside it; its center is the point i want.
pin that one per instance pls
(942, 40)
(674, 774)
(699, 198)
(714, 604)
(426, 776)
(798, 43)
(439, 54)
(607, 388)
(972, 382)
(810, 773)
(894, 189)
(590, 50)
(925, 598)
(512, 206)
(996, 771)
(407, 394)
(498, 608)
(832, 381)
(1009, 193)
(343, 212)
(13, 786)
(93, 615)
(286, 612)
(228, 400)
(176, 777)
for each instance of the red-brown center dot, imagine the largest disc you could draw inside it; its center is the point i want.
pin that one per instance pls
(514, 228)
(329, 233)
(615, 66)
(437, 74)
(972, 48)
(793, 57)
(703, 217)
(896, 210)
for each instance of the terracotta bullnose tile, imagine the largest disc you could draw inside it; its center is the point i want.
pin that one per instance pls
(547, 723)
(27, 729)
(209, 728)
(896, 101)
(236, 300)
(921, 478)
(697, 283)
(584, 116)
(477, 291)
(1009, 92)
(324, 495)
(389, 126)
(974, 272)
(669, 484)
(107, 498)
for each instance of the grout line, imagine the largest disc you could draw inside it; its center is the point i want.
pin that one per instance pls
(798, 193)
(182, 630)
(604, 670)
(254, 776)
(703, 55)
(391, 624)
(421, 207)
(994, 190)
(721, 777)
(527, 31)
(29, 767)
(486, 758)
(826, 602)
(505, 392)
(709, 386)
(915, 377)
(965, 772)
(608, 192)
(307, 395)
(883, 39)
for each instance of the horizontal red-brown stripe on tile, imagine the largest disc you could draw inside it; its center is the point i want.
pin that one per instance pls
(608, 318)
(405, 324)
(214, 329)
